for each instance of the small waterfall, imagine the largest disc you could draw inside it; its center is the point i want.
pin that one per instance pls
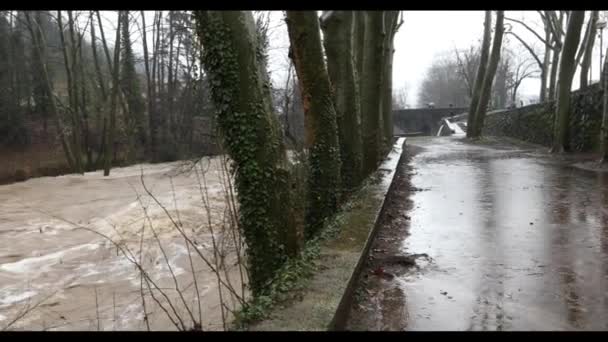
(440, 130)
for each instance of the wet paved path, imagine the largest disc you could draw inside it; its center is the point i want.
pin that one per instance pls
(517, 242)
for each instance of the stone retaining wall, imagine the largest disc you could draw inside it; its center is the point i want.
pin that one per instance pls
(534, 123)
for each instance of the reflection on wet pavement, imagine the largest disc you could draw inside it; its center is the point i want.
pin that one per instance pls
(517, 243)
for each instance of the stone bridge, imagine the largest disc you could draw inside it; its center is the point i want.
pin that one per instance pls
(423, 121)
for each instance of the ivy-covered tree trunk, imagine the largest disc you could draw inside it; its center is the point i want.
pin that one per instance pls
(371, 89)
(338, 31)
(358, 52)
(319, 116)
(481, 71)
(486, 88)
(390, 27)
(566, 65)
(251, 133)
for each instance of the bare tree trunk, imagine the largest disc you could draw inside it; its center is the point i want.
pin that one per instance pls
(390, 28)
(83, 105)
(339, 39)
(158, 81)
(562, 112)
(39, 42)
(319, 116)
(586, 63)
(101, 120)
(545, 67)
(109, 149)
(170, 76)
(251, 135)
(500, 84)
(481, 71)
(98, 73)
(486, 89)
(72, 93)
(553, 76)
(150, 91)
(604, 130)
(104, 42)
(557, 46)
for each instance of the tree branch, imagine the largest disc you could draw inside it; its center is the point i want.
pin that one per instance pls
(531, 30)
(540, 63)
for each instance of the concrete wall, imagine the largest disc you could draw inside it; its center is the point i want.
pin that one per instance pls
(534, 123)
(425, 120)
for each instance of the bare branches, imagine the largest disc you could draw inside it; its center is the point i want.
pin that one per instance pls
(541, 65)
(530, 30)
(26, 310)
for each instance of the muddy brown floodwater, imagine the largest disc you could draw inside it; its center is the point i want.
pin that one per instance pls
(81, 280)
(501, 238)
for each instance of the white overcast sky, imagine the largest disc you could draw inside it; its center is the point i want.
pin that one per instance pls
(423, 35)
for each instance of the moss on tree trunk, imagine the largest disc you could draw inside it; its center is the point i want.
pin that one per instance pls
(371, 89)
(338, 31)
(319, 116)
(251, 134)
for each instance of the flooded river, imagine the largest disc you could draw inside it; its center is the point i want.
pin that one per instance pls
(54, 258)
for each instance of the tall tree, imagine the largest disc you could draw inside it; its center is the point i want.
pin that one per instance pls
(69, 62)
(371, 89)
(481, 71)
(359, 51)
(391, 25)
(588, 51)
(552, 44)
(37, 35)
(251, 134)
(499, 93)
(129, 82)
(111, 130)
(566, 65)
(557, 34)
(488, 79)
(604, 129)
(39, 92)
(101, 83)
(319, 116)
(338, 32)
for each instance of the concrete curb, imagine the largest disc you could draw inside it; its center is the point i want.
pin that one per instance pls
(341, 315)
(326, 300)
